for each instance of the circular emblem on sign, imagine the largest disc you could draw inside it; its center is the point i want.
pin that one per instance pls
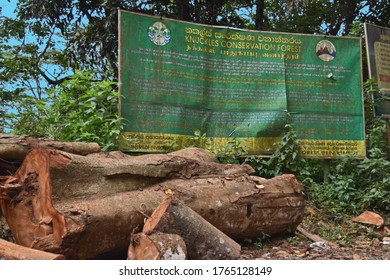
(325, 50)
(159, 34)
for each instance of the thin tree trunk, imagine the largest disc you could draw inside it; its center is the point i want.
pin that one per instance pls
(259, 20)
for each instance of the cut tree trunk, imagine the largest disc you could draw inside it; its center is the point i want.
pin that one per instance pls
(157, 246)
(85, 206)
(12, 251)
(203, 240)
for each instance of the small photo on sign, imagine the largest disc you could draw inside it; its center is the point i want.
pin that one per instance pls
(325, 50)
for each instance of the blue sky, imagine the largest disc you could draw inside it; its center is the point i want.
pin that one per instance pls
(8, 8)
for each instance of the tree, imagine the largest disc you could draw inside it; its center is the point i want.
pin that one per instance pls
(296, 16)
(90, 28)
(377, 12)
(30, 60)
(259, 18)
(79, 109)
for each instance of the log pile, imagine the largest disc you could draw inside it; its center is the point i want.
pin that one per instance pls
(86, 205)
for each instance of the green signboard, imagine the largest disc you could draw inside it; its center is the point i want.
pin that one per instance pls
(177, 78)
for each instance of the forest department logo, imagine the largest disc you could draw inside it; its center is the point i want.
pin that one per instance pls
(159, 34)
(325, 50)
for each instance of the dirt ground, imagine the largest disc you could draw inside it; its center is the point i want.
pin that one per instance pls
(344, 240)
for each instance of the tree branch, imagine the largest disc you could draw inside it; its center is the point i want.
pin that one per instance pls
(51, 81)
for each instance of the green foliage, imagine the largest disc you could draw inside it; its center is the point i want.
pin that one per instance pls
(30, 61)
(355, 186)
(376, 140)
(341, 233)
(375, 127)
(231, 153)
(199, 139)
(80, 109)
(285, 159)
(261, 241)
(172, 146)
(370, 89)
(297, 17)
(28, 117)
(30, 57)
(294, 240)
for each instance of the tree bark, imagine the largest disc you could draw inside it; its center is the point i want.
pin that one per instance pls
(15, 147)
(259, 19)
(203, 240)
(11, 251)
(157, 246)
(85, 206)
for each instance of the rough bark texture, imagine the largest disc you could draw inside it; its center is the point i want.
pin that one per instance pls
(11, 251)
(84, 206)
(15, 147)
(238, 208)
(203, 240)
(99, 176)
(157, 246)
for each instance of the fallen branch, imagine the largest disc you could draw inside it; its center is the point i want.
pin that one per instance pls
(314, 237)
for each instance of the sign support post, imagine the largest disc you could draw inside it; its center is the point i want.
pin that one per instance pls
(326, 167)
